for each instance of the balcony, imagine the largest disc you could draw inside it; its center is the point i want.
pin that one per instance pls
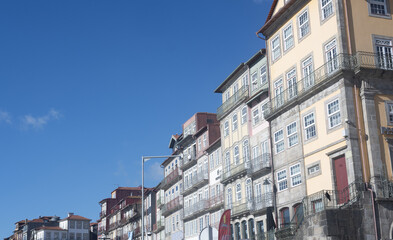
(232, 102)
(262, 202)
(172, 206)
(241, 209)
(232, 172)
(197, 208)
(171, 179)
(269, 235)
(216, 202)
(197, 181)
(366, 60)
(259, 165)
(189, 160)
(306, 86)
(102, 214)
(137, 231)
(160, 201)
(114, 225)
(160, 225)
(258, 87)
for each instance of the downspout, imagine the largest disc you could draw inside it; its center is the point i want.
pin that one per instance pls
(375, 219)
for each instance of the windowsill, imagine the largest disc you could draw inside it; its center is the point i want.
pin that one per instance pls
(387, 16)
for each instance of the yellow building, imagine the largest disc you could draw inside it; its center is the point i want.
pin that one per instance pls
(331, 70)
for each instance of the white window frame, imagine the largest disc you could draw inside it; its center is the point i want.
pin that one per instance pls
(304, 27)
(264, 107)
(245, 80)
(292, 134)
(244, 115)
(263, 74)
(307, 69)
(296, 177)
(236, 155)
(384, 51)
(278, 142)
(238, 192)
(278, 92)
(226, 128)
(383, 7)
(331, 56)
(199, 144)
(313, 169)
(204, 140)
(254, 81)
(227, 95)
(288, 39)
(255, 116)
(234, 122)
(276, 48)
(327, 8)
(332, 116)
(308, 126)
(292, 83)
(389, 112)
(282, 181)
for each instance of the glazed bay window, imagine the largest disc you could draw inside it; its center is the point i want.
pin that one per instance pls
(226, 128)
(276, 51)
(296, 177)
(234, 122)
(378, 7)
(282, 180)
(292, 134)
(279, 141)
(308, 73)
(255, 116)
(292, 85)
(327, 8)
(304, 25)
(331, 56)
(288, 37)
(309, 126)
(384, 50)
(244, 115)
(333, 113)
(263, 75)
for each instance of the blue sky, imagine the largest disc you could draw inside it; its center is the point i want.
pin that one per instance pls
(88, 87)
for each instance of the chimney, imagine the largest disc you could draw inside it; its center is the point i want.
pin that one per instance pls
(70, 214)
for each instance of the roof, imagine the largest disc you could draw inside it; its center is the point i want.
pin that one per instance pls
(219, 88)
(75, 217)
(50, 228)
(270, 19)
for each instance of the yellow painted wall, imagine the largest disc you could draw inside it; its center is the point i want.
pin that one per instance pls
(313, 44)
(279, 5)
(365, 25)
(382, 122)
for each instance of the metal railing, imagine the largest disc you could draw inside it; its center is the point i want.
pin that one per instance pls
(196, 180)
(216, 200)
(238, 209)
(269, 235)
(171, 178)
(262, 202)
(160, 201)
(102, 214)
(258, 86)
(231, 102)
(189, 160)
(383, 189)
(196, 208)
(259, 163)
(172, 206)
(373, 61)
(233, 171)
(299, 88)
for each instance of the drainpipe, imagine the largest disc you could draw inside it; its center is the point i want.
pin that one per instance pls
(375, 220)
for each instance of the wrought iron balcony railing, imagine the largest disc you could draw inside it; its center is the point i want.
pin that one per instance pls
(172, 206)
(239, 209)
(262, 202)
(216, 201)
(257, 86)
(373, 61)
(260, 165)
(232, 171)
(199, 207)
(232, 102)
(189, 160)
(171, 178)
(195, 182)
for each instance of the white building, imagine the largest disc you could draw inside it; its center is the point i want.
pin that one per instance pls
(76, 226)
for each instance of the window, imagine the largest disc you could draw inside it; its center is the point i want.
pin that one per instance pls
(72, 236)
(255, 116)
(308, 73)
(200, 224)
(246, 151)
(284, 215)
(226, 128)
(244, 230)
(296, 177)
(276, 51)
(389, 112)
(304, 26)
(317, 205)
(279, 141)
(244, 115)
(228, 161)
(199, 144)
(292, 134)
(282, 180)
(333, 113)
(85, 236)
(278, 89)
(378, 7)
(204, 140)
(313, 169)
(236, 157)
(292, 85)
(238, 192)
(263, 75)
(264, 108)
(229, 198)
(211, 161)
(248, 190)
(327, 8)
(251, 227)
(234, 122)
(254, 81)
(226, 95)
(331, 56)
(245, 80)
(309, 126)
(384, 50)
(218, 155)
(288, 37)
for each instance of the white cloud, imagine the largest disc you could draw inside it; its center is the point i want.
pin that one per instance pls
(154, 172)
(40, 122)
(5, 117)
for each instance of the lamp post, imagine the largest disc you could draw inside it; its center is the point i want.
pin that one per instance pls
(267, 181)
(145, 159)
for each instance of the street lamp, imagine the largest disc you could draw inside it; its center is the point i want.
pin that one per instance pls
(145, 159)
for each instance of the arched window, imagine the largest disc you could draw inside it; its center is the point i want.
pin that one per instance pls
(229, 198)
(246, 151)
(228, 161)
(249, 189)
(284, 217)
(298, 213)
(236, 157)
(238, 192)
